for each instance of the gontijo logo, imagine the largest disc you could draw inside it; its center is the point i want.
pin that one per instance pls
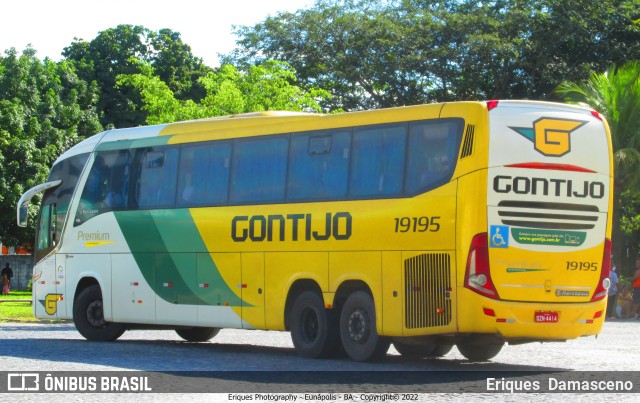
(551, 136)
(50, 303)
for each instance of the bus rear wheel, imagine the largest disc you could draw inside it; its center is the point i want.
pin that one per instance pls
(198, 334)
(479, 351)
(88, 316)
(358, 332)
(314, 329)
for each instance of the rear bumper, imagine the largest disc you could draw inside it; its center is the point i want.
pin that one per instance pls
(515, 321)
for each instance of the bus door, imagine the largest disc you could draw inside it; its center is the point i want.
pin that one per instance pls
(47, 288)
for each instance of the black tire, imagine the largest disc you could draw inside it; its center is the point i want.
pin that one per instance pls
(314, 329)
(88, 316)
(198, 334)
(479, 351)
(358, 329)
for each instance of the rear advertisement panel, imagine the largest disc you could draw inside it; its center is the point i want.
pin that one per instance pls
(549, 195)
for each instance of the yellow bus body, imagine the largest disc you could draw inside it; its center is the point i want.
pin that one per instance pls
(525, 189)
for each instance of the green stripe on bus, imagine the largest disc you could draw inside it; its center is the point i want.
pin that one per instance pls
(135, 143)
(173, 258)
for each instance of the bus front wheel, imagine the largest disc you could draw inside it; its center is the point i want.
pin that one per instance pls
(358, 329)
(479, 351)
(88, 316)
(198, 334)
(314, 329)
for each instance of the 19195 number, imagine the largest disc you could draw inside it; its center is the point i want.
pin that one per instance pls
(417, 224)
(582, 266)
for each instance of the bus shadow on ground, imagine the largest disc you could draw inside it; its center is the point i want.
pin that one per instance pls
(176, 366)
(173, 355)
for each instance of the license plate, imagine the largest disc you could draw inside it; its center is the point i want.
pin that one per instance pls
(546, 317)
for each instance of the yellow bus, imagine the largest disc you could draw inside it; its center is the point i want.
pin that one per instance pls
(471, 224)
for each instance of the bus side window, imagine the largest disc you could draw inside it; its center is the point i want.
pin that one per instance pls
(106, 188)
(377, 168)
(259, 170)
(319, 166)
(203, 178)
(157, 176)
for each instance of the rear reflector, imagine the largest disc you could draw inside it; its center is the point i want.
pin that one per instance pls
(604, 282)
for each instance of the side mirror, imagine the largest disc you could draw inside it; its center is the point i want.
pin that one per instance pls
(23, 203)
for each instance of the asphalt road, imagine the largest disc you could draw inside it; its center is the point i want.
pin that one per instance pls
(240, 361)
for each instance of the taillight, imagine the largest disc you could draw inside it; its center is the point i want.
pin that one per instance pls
(492, 104)
(477, 276)
(597, 115)
(604, 282)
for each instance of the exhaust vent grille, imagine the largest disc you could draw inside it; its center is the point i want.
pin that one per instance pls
(427, 290)
(467, 146)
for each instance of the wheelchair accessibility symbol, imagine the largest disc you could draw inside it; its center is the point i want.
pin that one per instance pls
(499, 236)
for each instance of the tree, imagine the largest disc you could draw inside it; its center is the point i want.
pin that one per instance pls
(112, 52)
(616, 94)
(269, 86)
(44, 109)
(572, 38)
(176, 65)
(120, 50)
(344, 47)
(369, 53)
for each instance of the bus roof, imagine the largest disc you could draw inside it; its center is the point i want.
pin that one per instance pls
(264, 123)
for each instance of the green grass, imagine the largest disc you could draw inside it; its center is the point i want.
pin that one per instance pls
(16, 311)
(17, 295)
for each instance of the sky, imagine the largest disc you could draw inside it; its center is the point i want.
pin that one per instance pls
(51, 25)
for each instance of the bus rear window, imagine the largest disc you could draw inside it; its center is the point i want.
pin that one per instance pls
(432, 152)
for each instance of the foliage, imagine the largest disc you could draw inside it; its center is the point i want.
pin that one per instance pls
(121, 50)
(269, 86)
(616, 94)
(378, 54)
(44, 109)
(630, 206)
